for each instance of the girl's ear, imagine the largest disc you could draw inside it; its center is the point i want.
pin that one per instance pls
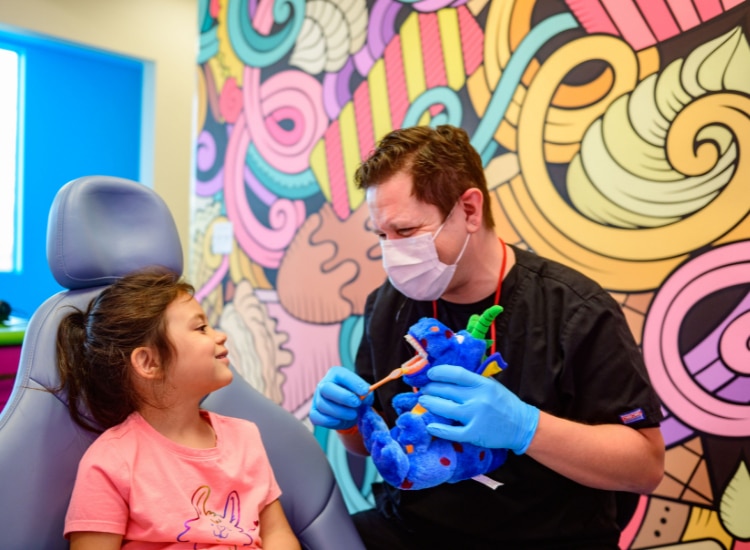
(471, 202)
(145, 363)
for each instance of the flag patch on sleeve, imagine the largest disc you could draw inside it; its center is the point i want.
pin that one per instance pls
(632, 416)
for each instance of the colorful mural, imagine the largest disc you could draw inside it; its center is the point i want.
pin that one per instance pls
(611, 132)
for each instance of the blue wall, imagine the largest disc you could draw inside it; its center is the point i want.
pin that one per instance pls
(81, 116)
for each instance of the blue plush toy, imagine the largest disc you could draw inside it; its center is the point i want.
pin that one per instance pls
(407, 456)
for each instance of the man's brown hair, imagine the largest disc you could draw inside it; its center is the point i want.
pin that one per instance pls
(441, 161)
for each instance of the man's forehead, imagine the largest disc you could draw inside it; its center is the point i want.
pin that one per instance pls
(400, 216)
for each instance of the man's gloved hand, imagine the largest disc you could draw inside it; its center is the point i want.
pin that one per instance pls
(489, 415)
(337, 401)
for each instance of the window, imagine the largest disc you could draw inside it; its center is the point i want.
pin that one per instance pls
(9, 76)
(77, 111)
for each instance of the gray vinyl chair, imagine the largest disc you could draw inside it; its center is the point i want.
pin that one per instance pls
(101, 228)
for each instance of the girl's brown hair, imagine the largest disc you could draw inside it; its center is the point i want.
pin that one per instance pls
(94, 346)
(441, 161)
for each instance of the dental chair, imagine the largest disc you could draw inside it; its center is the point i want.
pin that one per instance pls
(101, 228)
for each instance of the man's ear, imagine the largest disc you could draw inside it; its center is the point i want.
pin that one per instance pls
(145, 363)
(471, 202)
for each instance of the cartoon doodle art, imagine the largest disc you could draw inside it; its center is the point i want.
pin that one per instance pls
(224, 528)
(614, 137)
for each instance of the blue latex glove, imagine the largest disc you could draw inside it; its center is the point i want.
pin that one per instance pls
(337, 402)
(489, 415)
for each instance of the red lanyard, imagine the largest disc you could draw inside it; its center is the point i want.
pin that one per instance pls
(497, 295)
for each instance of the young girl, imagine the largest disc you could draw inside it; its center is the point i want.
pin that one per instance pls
(164, 474)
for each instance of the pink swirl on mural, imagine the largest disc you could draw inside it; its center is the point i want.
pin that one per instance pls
(285, 92)
(214, 281)
(288, 137)
(700, 398)
(262, 244)
(734, 345)
(315, 348)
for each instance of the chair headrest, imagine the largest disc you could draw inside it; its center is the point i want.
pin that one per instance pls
(101, 228)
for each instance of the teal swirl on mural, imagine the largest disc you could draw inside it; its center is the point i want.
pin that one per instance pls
(289, 186)
(351, 333)
(255, 49)
(452, 108)
(208, 45)
(538, 36)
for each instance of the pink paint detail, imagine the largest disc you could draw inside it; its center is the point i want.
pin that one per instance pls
(715, 270)
(432, 51)
(708, 349)
(708, 9)
(432, 54)
(472, 39)
(684, 12)
(287, 91)
(659, 18)
(643, 23)
(281, 135)
(593, 17)
(629, 21)
(262, 244)
(336, 176)
(734, 345)
(363, 116)
(314, 346)
(214, 281)
(396, 80)
(230, 100)
(728, 5)
(627, 536)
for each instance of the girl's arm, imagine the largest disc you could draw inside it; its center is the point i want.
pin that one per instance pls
(89, 540)
(276, 532)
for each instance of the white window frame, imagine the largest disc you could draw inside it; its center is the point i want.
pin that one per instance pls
(11, 77)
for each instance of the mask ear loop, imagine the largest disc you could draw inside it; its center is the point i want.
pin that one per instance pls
(466, 242)
(498, 293)
(439, 229)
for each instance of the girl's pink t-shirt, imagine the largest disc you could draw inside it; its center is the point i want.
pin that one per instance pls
(135, 482)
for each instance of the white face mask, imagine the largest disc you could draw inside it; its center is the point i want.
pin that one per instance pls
(413, 266)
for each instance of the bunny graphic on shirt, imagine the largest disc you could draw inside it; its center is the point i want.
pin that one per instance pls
(213, 526)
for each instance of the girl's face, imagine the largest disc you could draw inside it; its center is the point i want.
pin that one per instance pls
(200, 364)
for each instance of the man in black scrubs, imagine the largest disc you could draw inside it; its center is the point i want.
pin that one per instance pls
(574, 406)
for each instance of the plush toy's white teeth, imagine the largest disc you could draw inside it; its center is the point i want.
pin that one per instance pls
(416, 345)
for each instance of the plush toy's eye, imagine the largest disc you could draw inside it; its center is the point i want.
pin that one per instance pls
(449, 334)
(434, 329)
